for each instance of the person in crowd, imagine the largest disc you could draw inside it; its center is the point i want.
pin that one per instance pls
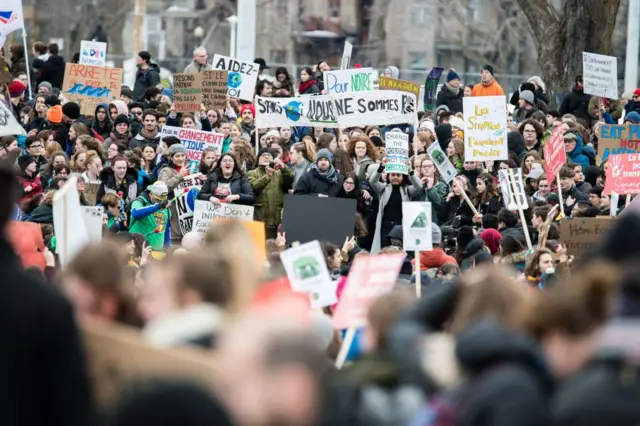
(199, 62)
(400, 188)
(487, 197)
(29, 178)
(119, 179)
(35, 148)
(150, 216)
(341, 161)
(149, 133)
(207, 162)
(512, 252)
(570, 194)
(456, 206)
(147, 75)
(577, 102)
(86, 143)
(509, 224)
(53, 69)
(102, 123)
(248, 114)
(150, 158)
(116, 217)
(538, 269)
(455, 153)
(435, 258)
(227, 184)
(327, 141)
(434, 189)
(528, 161)
(526, 106)
(321, 179)
(532, 134)
(302, 155)
(609, 110)
(634, 104)
(451, 93)
(264, 88)
(283, 84)
(544, 189)
(243, 153)
(120, 133)
(176, 169)
(308, 84)
(77, 162)
(363, 155)
(271, 180)
(469, 246)
(574, 147)
(113, 151)
(579, 179)
(488, 85)
(531, 181)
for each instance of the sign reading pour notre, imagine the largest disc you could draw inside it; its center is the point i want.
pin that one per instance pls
(89, 86)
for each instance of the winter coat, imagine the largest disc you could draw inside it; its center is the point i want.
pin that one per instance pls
(152, 221)
(577, 103)
(53, 72)
(632, 106)
(384, 192)
(614, 109)
(171, 177)
(457, 207)
(237, 185)
(194, 68)
(577, 195)
(18, 66)
(144, 80)
(437, 196)
(508, 382)
(311, 90)
(139, 141)
(43, 214)
(491, 89)
(129, 188)
(115, 137)
(466, 259)
(312, 183)
(42, 362)
(578, 156)
(34, 182)
(435, 258)
(103, 129)
(450, 98)
(270, 193)
(362, 168)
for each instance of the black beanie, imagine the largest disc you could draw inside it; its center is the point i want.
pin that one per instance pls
(488, 68)
(120, 119)
(267, 151)
(24, 161)
(377, 142)
(465, 236)
(51, 100)
(71, 110)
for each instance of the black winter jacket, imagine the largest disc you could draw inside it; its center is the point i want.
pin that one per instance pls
(576, 103)
(452, 100)
(53, 71)
(312, 183)
(238, 185)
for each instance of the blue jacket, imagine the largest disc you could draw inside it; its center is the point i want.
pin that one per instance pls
(581, 154)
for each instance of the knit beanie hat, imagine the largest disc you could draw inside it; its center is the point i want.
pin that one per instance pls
(176, 149)
(527, 96)
(436, 234)
(452, 75)
(487, 67)
(24, 161)
(632, 117)
(249, 107)
(16, 89)
(52, 100)
(465, 236)
(71, 110)
(121, 119)
(491, 239)
(46, 85)
(323, 153)
(54, 114)
(266, 151)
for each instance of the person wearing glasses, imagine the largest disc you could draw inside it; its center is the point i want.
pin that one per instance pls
(199, 62)
(35, 148)
(634, 104)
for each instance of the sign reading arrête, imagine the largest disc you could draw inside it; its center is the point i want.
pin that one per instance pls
(89, 86)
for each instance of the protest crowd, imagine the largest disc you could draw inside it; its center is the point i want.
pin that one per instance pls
(245, 246)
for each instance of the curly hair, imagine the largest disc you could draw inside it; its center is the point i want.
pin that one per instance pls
(535, 124)
(531, 268)
(371, 149)
(242, 152)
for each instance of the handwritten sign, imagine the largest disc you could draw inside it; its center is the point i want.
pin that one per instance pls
(185, 195)
(388, 83)
(442, 162)
(346, 81)
(623, 174)
(90, 193)
(205, 213)
(195, 141)
(242, 77)
(512, 201)
(375, 107)
(600, 73)
(485, 133)
(582, 234)
(89, 85)
(616, 139)
(93, 53)
(554, 155)
(397, 149)
(214, 89)
(301, 111)
(187, 92)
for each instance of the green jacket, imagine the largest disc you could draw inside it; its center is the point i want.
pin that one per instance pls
(270, 193)
(151, 222)
(437, 196)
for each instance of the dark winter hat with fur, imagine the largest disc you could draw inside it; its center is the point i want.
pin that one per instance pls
(71, 110)
(24, 161)
(121, 119)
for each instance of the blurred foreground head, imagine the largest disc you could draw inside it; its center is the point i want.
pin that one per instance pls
(9, 193)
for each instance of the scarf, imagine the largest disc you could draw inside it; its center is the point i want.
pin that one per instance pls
(329, 176)
(454, 90)
(304, 86)
(115, 136)
(148, 135)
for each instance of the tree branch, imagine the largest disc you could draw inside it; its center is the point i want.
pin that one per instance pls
(540, 15)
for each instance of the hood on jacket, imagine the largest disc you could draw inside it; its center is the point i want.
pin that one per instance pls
(107, 175)
(438, 109)
(106, 109)
(120, 106)
(515, 143)
(395, 73)
(396, 232)
(579, 147)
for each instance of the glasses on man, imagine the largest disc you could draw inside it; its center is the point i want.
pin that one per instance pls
(529, 130)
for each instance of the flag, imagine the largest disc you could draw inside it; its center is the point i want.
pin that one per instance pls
(431, 87)
(11, 18)
(8, 123)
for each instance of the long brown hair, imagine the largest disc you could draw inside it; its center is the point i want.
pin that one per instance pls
(342, 162)
(307, 150)
(531, 267)
(490, 191)
(371, 149)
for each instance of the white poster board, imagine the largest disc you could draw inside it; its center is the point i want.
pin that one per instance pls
(397, 150)
(205, 212)
(600, 74)
(68, 222)
(93, 53)
(485, 133)
(614, 198)
(416, 226)
(93, 218)
(376, 107)
(346, 55)
(301, 111)
(185, 195)
(243, 76)
(512, 201)
(195, 141)
(442, 162)
(347, 81)
(9, 125)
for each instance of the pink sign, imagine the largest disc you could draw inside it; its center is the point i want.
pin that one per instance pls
(554, 154)
(370, 276)
(623, 174)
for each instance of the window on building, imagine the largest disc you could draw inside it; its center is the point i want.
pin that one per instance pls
(417, 60)
(334, 8)
(474, 9)
(278, 57)
(419, 12)
(282, 6)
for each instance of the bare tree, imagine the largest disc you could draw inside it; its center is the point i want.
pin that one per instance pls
(563, 34)
(377, 32)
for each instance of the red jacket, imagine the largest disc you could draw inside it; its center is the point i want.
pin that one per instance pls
(434, 259)
(36, 187)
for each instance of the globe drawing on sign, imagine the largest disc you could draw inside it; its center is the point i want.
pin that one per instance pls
(498, 133)
(234, 80)
(438, 157)
(306, 267)
(420, 221)
(292, 110)
(192, 196)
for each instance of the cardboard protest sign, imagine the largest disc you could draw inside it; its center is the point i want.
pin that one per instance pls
(582, 234)
(307, 271)
(616, 139)
(346, 81)
(416, 226)
(623, 174)
(88, 86)
(512, 201)
(187, 92)
(185, 195)
(242, 77)
(388, 83)
(485, 133)
(442, 162)
(93, 53)
(301, 111)
(93, 218)
(397, 150)
(117, 356)
(214, 89)
(204, 213)
(90, 193)
(195, 141)
(369, 277)
(380, 106)
(346, 55)
(68, 222)
(554, 154)
(309, 217)
(600, 73)
(9, 124)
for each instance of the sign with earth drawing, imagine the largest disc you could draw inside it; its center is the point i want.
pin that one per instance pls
(242, 77)
(416, 226)
(442, 162)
